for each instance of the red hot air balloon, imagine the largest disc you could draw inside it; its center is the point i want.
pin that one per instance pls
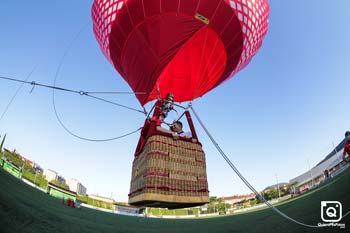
(184, 47)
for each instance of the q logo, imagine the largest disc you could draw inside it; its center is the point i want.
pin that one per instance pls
(331, 211)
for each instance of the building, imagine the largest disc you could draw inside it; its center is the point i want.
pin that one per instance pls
(238, 198)
(61, 179)
(76, 186)
(50, 175)
(104, 199)
(281, 186)
(313, 177)
(37, 168)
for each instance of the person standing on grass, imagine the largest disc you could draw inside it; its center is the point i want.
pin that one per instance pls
(347, 147)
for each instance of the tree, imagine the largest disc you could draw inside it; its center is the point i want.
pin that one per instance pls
(253, 202)
(14, 158)
(221, 205)
(291, 187)
(271, 194)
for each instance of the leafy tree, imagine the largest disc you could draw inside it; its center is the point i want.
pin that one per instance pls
(221, 205)
(212, 204)
(14, 158)
(38, 179)
(271, 194)
(291, 187)
(94, 202)
(217, 205)
(254, 202)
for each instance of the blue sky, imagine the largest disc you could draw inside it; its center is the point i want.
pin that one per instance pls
(285, 108)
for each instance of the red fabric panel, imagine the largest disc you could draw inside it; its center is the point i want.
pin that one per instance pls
(222, 18)
(136, 13)
(124, 17)
(207, 8)
(137, 63)
(191, 73)
(189, 7)
(169, 5)
(152, 7)
(116, 42)
(150, 48)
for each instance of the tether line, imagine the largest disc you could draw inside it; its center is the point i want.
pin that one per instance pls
(245, 181)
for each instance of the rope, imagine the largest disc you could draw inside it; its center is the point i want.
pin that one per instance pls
(69, 47)
(120, 92)
(15, 94)
(222, 153)
(116, 104)
(82, 93)
(89, 94)
(33, 83)
(97, 140)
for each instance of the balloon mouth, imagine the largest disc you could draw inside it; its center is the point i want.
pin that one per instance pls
(195, 69)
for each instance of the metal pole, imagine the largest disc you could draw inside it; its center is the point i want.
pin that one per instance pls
(35, 178)
(278, 186)
(312, 178)
(224, 205)
(336, 152)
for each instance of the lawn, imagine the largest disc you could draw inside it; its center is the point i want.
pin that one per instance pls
(25, 209)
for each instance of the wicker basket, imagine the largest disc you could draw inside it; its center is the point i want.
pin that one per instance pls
(169, 173)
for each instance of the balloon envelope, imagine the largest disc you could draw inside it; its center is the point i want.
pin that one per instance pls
(185, 47)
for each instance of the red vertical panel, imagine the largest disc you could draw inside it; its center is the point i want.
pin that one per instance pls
(136, 12)
(138, 63)
(207, 8)
(170, 5)
(222, 18)
(232, 31)
(116, 42)
(152, 7)
(124, 20)
(188, 7)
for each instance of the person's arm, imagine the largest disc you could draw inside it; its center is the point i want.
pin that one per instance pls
(189, 135)
(163, 130)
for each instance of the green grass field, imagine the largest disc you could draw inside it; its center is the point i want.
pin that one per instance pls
(25, 209)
